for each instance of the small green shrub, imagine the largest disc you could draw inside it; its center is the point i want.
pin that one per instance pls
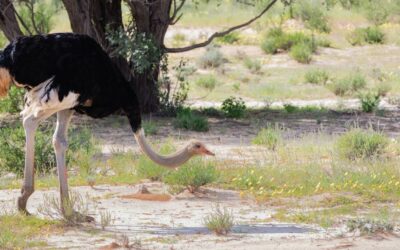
(269, 137)
(312, 14)
(146, 168)
(230, 38)
(150, 128)
(369, 35)
(207, 82)
(14, 102)
(12, 148)
(220, 221)
(361, 144)
(234, 107)
(301, 52)
(253, 65)
(212, 58)
(192, 175)
(188, 120)
(369, 101)
(289, 108)
(317, 76)
(274, 40)
(377, 12)
(348, 84)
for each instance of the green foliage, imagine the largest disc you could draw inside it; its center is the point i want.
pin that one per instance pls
(269, 137)
(212, 58)
(289, 108)
(348, 84)
(317, 76)
(312, 14)
(147, 169)
(14, 102)
(230, 38)
(186, 119)
(192, 175)
(234, 107)
(301, 52)
(253, 65)
(369, 35)
(377, 12)
(138, 48)
(207, 82)
(37, 15)
(300, 45)
(173, 96)
(369, 101)
(12, 148)
(361, 144)
(220, 221)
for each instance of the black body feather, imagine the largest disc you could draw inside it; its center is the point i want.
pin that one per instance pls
(77, 64)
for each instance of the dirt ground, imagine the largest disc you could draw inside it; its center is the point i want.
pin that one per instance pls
(178, 223)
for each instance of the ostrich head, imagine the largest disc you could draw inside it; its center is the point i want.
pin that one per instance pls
(191, 149)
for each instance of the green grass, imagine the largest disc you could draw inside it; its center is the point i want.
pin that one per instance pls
(187, 119)
(268, 137)
(19, 232)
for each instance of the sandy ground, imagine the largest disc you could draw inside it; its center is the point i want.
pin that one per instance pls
(178, 223)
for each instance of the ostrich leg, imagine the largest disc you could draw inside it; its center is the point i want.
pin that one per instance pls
(60, 147)
(30, 123)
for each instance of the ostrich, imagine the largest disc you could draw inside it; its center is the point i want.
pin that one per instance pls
(66, 73)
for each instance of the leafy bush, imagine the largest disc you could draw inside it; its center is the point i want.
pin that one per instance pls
(369, 101)
(12, 148)
(289, 108)
(370, 226)
(14, 102)
(300, 45)
(233, 107)
(269, 137)
(253, 65)
(188, 120)
(230, 38)
(147, 169)
(207, 82)
(301, 52)
(369, 35)
(317, 76)
(377, 12)
(212, 58)
(219, 221)
(361, 144)
(192, 175)
(312, 14)
(348, 84)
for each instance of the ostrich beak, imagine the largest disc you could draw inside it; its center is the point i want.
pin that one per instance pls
(208, 152)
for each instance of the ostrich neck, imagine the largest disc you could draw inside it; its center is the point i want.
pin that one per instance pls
(170, 161)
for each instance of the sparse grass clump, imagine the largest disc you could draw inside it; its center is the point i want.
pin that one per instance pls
(369, 35)
(369, 226)
(234, 107)
(150, 128)
(230, 38)
(207, 82)
(312, 14)
(105, 219)
(269, 137)
(361, 144)
(220, 221)
(17, 231)
(300, 45)
(146, 168)
(317, 76)
(192, 175)
(252, 64)
(185, 118)
(369, 101)
(212, 58)
(348, 84)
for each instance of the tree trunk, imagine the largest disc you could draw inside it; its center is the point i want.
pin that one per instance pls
(8, 21)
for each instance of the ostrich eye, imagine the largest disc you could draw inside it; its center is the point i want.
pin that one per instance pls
(197, 146)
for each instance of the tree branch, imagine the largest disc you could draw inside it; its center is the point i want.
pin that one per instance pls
(219, 34)
(173, 19)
